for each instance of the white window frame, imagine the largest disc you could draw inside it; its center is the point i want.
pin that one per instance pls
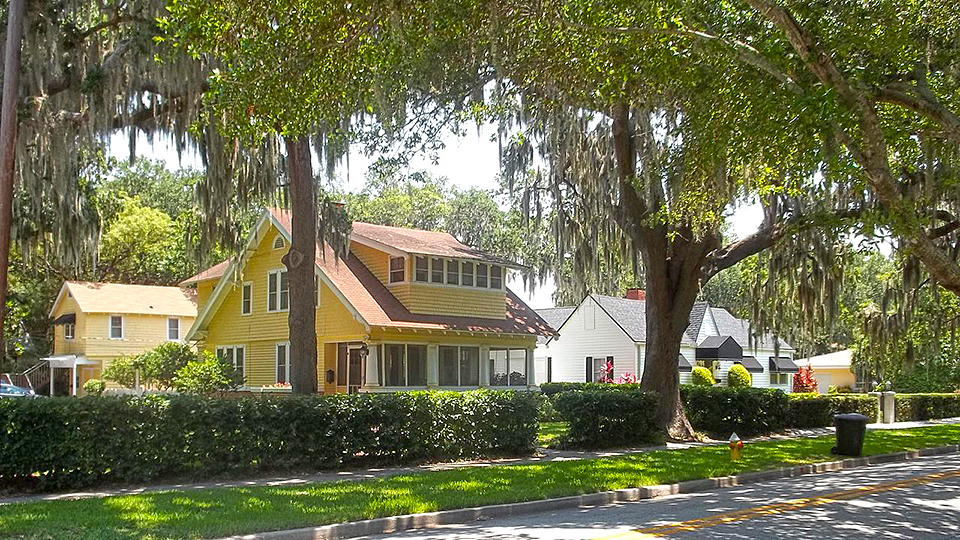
(179, 330)
(233, 359)
(477, 275)
(778, 374)
(123, 329)
(417, 269)
(72, 333)
(402, 270)
(279, 294)
(382, 360)
(459, 358)
(526, 366)
(276, 366)
(243, 288)
(490, 278)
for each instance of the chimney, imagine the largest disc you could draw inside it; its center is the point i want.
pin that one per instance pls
(636, 294)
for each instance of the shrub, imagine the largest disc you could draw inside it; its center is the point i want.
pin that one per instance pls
(910, 407)
(122, 370)
(701, 376)
(721, 410)
(94, 387)
(160, 365)
(546, 412)
(601, 418)
(73, 442)
(552, 389)
(207, 376)
(804, 380)
(813, 410)
(739, 377)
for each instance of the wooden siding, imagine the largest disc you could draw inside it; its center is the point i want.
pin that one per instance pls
(62, 345)
(449, 300)
(204, 292)
(376, 261)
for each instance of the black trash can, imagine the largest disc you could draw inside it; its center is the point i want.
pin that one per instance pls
(851, 430)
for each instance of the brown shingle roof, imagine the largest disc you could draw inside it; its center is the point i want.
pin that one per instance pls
(378, 307)
(436, 243)
(135, 299)
(214, 272)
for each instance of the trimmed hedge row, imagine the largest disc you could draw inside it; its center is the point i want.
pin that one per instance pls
(554, 388)
(609, 417)
(71, 442)
(720, 410)
(909, 407)
(808, 410)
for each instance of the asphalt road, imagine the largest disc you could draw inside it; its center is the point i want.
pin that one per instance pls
(914, 499)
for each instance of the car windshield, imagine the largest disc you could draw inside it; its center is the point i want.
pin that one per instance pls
(10, 389)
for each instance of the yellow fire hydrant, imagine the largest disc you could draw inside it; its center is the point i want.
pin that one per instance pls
(736, 447)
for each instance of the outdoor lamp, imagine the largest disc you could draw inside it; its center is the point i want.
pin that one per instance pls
(330, 376)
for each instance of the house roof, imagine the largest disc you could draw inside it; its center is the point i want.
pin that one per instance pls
(739, 329)
(631, 316)
(417, 241)
(555, 317)
(214, 272)
(133, 299)
(839, 359)
(377, 306)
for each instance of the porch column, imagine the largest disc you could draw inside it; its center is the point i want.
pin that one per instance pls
(73, 373)
(433, 365)
(484, 365)
(531, 368)
(373, 365)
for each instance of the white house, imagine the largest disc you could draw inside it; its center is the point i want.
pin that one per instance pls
(606, 328)
(832, 369)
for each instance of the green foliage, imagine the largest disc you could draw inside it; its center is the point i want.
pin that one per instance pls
(206, 374)
(160, 366)
(63, 443)
(702, 376)
(123, 371)
(554, 388)
(546, 412)
(605, 418)
(721, 410)
(908, 407)
(812, 410)
(738, 377)
(94, 387)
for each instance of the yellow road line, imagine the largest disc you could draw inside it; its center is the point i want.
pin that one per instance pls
(777, 508)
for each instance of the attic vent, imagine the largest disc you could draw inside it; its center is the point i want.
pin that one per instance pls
(278, 242)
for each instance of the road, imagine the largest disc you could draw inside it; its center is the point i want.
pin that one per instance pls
(915, 499)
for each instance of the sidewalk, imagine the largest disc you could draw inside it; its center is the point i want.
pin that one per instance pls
(543, 455)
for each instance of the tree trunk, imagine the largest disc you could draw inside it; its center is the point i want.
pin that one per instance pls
(8, 149)
(301, 263)
(672, 272)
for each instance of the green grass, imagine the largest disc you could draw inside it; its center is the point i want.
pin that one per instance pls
(550, 432)
(212, 513)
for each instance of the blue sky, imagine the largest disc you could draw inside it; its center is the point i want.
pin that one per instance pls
(471, 161)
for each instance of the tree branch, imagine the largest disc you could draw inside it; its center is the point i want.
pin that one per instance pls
(922, 102)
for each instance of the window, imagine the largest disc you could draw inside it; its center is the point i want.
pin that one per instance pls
(246, 299)
(416, 365)
(235, 354)
(423, 269)
(278, 242)
(466, 274)
(496, 277)
(780, 378)
(481, 275)
(342, 364)
(393, 372)
(396, 269)
(404, 365)
(116, 327)
(283, 362)
(69, 331)
(595, 365)
(508, 367)
(453, 272)
(173, 329)
(549, 369)
(278, 291)
(459, 366)
(436, 270)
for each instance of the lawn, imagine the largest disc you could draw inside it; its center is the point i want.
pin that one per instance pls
(212, 513)
(550, 432)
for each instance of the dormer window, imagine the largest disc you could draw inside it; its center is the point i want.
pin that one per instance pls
(436, 270)
(482, 275)
(423, 269)
(397, 265)
(453, 272)
(496, 277)
(278, 242)
(466, 275)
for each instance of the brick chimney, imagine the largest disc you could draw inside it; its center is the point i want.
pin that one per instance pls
(636, 294)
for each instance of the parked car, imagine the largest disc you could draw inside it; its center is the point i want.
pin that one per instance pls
(9, 391)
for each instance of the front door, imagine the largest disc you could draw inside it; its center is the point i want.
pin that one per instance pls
(354, 370)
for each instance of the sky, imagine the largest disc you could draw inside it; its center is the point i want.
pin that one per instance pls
(468, 162)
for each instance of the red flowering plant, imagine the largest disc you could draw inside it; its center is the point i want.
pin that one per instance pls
(804, 381)
(606, 372)
(627, 378)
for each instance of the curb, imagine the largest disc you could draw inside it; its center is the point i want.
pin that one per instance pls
(431, 520)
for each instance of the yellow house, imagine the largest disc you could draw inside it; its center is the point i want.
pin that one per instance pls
(406, 309)
(97, 322)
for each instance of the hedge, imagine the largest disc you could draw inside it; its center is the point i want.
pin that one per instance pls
(71, 442)
(609, 417)
(554, 388)
(808, 410)
(720, 411)
(909, 407)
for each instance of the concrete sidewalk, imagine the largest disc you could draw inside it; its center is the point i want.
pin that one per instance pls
(543, 455)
